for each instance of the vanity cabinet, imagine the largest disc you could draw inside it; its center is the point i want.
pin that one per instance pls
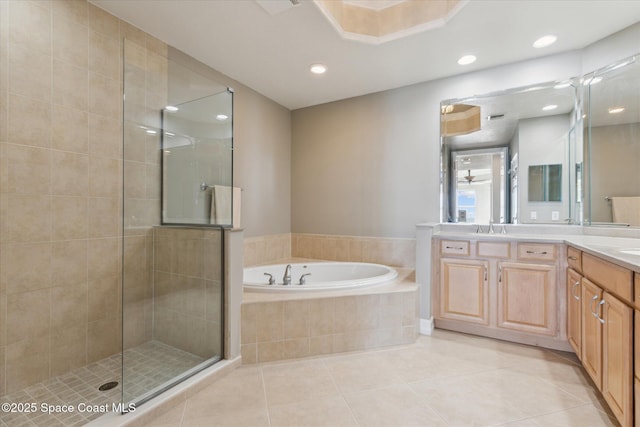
(574, 311)
(500, 288)
(617, 358)
(606, 324)
(591, 312)
(527, 297)
(464, 290)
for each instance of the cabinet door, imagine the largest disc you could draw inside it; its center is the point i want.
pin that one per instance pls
(574, 315)
(464, 290)
(617, 358)
(592, 331)
(527, 297)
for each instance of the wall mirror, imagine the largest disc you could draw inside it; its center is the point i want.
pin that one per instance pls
(612, 138)
(528, 126)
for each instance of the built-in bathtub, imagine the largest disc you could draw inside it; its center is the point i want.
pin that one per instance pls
(291, 321)
(316, 276)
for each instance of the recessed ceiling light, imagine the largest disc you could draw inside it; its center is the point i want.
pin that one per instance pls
(318, 68)
(467, 59)
(171, 108)
(151, 131)
(616, 110)
(222, 117)
(549, 107)
(545, 41)
(170, 134)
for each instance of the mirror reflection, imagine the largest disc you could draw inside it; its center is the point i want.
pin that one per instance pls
(529, 126)
(612, 129)
(545, 183)
(480, 185)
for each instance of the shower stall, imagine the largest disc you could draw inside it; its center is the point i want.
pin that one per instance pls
(177, 200)
(109, 314)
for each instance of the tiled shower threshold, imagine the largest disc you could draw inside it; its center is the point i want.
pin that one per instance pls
(147, 366)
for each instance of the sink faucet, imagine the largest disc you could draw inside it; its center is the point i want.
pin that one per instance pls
(286, 279)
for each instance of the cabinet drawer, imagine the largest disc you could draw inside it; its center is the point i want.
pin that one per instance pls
(537, 251)
(574, 259)
(494, 249)
(617, 280)
(454, 247)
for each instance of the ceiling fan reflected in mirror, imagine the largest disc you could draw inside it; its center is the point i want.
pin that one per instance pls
(469, 177)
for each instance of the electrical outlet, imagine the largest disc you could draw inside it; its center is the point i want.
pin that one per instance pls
(533, 215)
(555, 215)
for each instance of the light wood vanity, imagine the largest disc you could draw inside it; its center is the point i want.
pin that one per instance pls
(551, 294)
(600, 326)
(502, 289)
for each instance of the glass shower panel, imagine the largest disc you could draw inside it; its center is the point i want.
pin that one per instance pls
(196, 161)
(172, 282)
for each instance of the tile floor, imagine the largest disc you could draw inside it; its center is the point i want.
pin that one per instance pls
(146, 366)
(448, 379)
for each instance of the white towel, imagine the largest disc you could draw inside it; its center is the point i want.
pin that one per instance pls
(222, 210)
(626, 210)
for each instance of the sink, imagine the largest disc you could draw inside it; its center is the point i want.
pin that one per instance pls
(634, 251)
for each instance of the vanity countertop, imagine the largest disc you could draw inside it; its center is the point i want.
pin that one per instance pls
(623, 251)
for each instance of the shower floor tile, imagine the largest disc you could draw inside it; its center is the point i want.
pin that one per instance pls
(146, 366)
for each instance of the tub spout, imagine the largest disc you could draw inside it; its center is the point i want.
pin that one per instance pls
(286, 279)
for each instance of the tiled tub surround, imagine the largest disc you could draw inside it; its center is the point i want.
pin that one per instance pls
(285, 326)
(269, 249)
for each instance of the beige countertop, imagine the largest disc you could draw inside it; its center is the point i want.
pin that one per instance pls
(619, 250)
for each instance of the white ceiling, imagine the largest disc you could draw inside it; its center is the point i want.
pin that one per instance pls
(272, 53)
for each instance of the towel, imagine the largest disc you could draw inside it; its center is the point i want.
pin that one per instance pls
(225, 205)
(626, 210)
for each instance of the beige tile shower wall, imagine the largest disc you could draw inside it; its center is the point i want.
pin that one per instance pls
(61, 187)
(267, 249)
(279, 330)
(188, 289)
(388, 251)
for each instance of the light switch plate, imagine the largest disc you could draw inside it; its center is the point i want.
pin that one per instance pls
(533, 215)
(555, 215)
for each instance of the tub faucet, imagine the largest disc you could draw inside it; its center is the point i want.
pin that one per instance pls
(286, 279)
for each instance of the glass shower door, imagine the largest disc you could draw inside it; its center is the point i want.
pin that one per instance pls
(173, 276)
(196, 161)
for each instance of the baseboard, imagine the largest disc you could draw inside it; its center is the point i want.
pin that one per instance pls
(426, 326)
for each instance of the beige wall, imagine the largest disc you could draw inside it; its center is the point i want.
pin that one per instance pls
(369, 166)
(61, 165)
